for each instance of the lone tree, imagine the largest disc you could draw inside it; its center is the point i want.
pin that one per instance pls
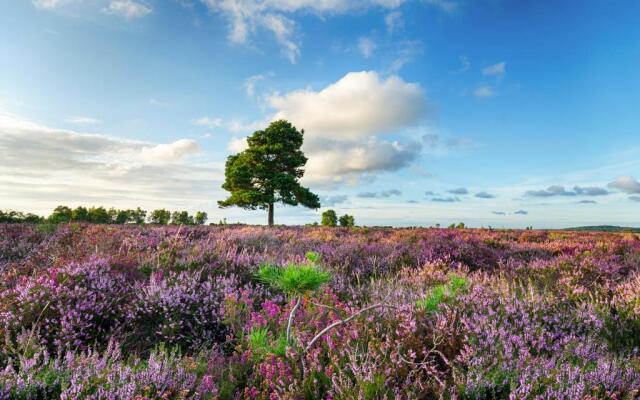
(267, 172)
(329, 218)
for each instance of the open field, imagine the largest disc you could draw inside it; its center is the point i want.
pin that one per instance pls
(119, 312)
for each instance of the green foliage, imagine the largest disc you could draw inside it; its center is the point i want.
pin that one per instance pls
(80, 214)
(312, 257)
(60, 214)
(181, 218)
(444, 293)
(98, 215)
(267, 172)
(329, 218)
(262, 344)
(160, 217)
(347, 220)
(11, 216)
(200, 218)
(293, 279)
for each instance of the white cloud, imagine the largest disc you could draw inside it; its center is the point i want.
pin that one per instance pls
(41, 167)
(80, 120)
(250, 82)
(627, 184)
(129, 9)
(394, 21)
(247, 17)
(208, 122)
(337, 162)
(344, 124)
(358, 105)
(283, 29)
(407, 50)
(172, 152)
(366, 47)
(497, 70)
(484, 91)
(236, 145)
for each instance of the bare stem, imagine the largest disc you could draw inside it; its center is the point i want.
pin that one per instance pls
(291, 315)
(340, 322)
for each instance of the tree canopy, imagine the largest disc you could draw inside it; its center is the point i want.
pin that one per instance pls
(329, 218)
(267, 172)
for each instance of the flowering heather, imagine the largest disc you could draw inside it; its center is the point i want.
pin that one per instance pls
(145, 312)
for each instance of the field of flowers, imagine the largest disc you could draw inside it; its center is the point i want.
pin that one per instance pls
(144, 312)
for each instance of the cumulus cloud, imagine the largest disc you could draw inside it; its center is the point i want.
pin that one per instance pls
(626, 184)
(586, 202)
(484, 91)
(236, 145)
(559, 190)
(358, 105)
(499, 212)
(382, 194)
(429, 193)
(366, 46)
(521, 212)
(460, 190)
(41, 167)
(345, 125)
(485, 195)
(497, 70)
(634, 198)
(129, 9)
(340, 161)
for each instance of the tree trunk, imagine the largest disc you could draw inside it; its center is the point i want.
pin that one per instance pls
(270, 214)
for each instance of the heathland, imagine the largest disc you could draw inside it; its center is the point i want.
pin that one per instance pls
(207, 312)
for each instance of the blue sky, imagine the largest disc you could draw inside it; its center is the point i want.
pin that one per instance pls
(492, 112)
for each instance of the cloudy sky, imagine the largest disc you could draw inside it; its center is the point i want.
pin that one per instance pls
(492, 112)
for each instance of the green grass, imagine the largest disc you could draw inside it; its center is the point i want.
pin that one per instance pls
(261, 344)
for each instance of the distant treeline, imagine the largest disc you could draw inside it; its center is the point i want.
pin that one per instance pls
(101, 215)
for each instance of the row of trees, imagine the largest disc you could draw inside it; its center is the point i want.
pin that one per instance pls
(101, 215)
(10, 216)
(330, 218)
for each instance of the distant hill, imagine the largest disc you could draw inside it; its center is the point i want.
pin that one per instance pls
(604, 228)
